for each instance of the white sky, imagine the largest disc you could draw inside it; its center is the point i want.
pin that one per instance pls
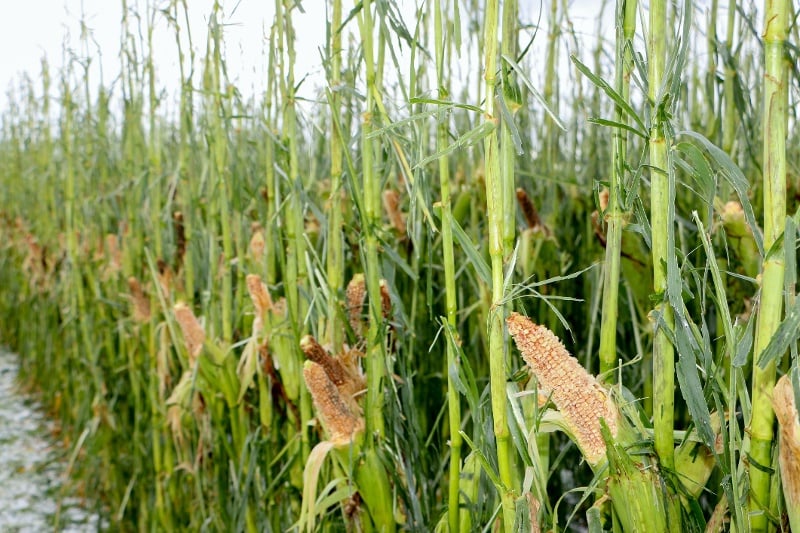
(32, 29)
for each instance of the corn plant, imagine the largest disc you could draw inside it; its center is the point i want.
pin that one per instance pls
(487, 272)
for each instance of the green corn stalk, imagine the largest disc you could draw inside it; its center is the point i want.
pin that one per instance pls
(442, 41)
(615, 218)
(271, 185)
(370, 219)
(186, 192)
(374, 487)
(731, 115)
(220, 173)
(295, 270)
(550, 93)
(663, 352)
(494, 204)
(776, 80)
(335, 259)
(511, 97)
(710, 94)
(154, 144)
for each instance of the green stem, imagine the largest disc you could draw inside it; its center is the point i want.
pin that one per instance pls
(508, 47)
(296, 274)
(615, 218)
(663, 352)
(371, 207)
(494, 202)
(776, 21)
(219, 157)
(335, 258)
(729, 120)
(550, 92)
(453, 398)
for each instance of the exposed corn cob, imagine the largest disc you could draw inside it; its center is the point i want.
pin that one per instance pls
(193, 333)
(337, 418)
(576, 393)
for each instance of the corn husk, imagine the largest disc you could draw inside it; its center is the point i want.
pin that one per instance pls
(783, 402)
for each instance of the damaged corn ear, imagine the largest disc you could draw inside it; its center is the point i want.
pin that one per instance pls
(528, 209)
(386, 299)
(140, 301)
(789, 447)
(257, 245)
(193, 333)
(355, 294)
(316, 353)
(259, 294)
(391, 202)
(336, 417)
(577, 394)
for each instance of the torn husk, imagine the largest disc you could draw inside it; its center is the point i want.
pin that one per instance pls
(789, 447)
(577, 394)
(141, 303)
(257, 245)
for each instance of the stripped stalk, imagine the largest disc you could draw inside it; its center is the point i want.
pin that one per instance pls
(185, 126)
(218, 147)
(376, 356)
(663, 352)
(335, 259)
(615, 218)
(296, 274)
(271, 231)
(776, 80)
(441, 36)
(511, 95)
(730, 118)
(494, 204)
(550, 92)
(154, 144)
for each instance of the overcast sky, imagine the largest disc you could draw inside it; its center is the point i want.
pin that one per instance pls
(32, 29)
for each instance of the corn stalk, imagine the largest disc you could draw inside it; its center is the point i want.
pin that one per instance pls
(776, 80)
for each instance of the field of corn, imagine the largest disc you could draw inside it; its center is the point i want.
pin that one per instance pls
(498, 275)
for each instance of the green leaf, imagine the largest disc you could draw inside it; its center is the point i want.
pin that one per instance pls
(536, 94)
(508, 121)
(689, 379)
(735, 177)
(311, 475)
(614, 124)
(719, 285)
(744, 344)
(698, 167)
(473, 136)
(446, 104)
(614, 95)
(593, 521)
(491, 473)
(787, 333)
(392, 254)
(481, 267)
